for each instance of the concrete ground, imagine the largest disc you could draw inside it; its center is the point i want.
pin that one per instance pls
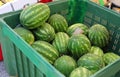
(3, 73)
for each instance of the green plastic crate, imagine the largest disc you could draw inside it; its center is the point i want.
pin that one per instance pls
(23, 61)
(9, 61)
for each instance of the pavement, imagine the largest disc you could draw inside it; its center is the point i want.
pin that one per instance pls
(3, 72)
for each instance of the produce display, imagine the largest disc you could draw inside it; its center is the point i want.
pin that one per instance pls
(111, 4)
(81, 72)
(65, 64)
(96, 50)
(75, 50)
(58, 22)
(25, 34)
(77, 29)
(61, 42)
(47, 50)
(91, 61)
(34, 15)
(110, 57)
(79, 45)
(101, 2)
(5, 1)
(45, 32)
(98, 35)
(2, 2)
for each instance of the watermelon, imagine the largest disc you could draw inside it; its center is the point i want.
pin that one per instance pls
(45, 49)
(98, 35)
(61, 42)
(80, 72)
(77, 28)
(25, 34)
(45, 32)
(34, 15)
(97, 50)
(58, 22)
(91, 61)
(79, 45)
(65, 64)
(110, 57)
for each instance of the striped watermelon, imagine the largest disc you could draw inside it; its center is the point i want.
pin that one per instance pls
(25, 34)
(80, 72)
(46, 50)
(45, 32)
(65, 64)
(97, 50)
(34, 15)
(77, 28)
(78, 45)
(58, 22)
(110, 57)
(98, 35)
(91, 61)
(61, 42)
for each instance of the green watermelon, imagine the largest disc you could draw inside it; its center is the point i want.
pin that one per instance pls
(78, 45)
(45, 32)
(98, 35)
(91, 61)
(34, 15)
(25, 34)
(80, 72)
(61, 42)
(97, 50)
(110, 57)
(48, 51)
(77, 28)
(58, 22)
(65, 64)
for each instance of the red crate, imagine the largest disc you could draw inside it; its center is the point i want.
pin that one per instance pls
(44, 1)
(1, 57)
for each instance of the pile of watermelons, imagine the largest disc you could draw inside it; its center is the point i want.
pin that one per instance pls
(75, 50)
